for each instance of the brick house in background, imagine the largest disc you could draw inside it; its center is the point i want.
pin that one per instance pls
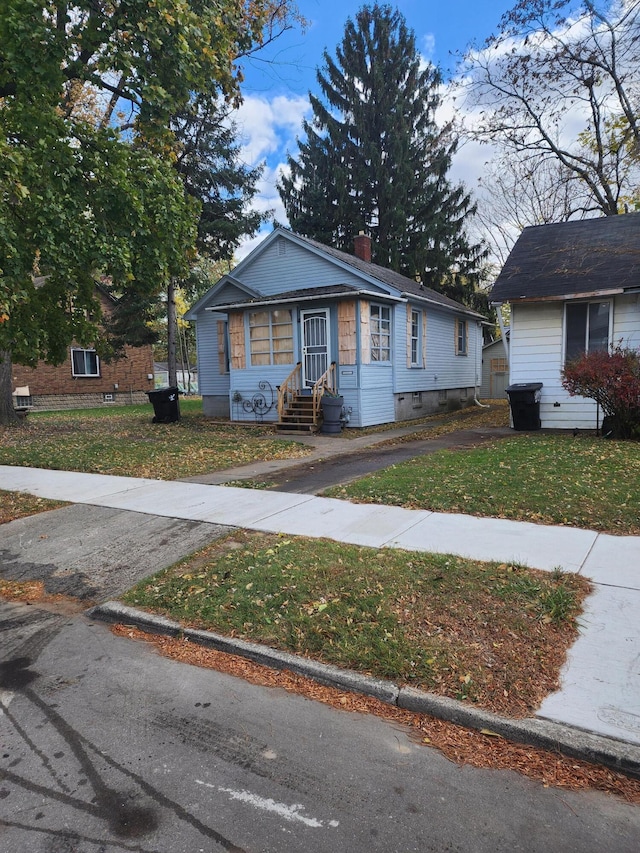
(83, 380)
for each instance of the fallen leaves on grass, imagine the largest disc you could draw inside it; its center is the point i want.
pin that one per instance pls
(458, 744)
(15, 505)
(493, 634)
(124, 442)
(496, 414)
(553, 479)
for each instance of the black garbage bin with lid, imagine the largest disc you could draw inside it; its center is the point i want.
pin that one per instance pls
(166, 405)
(524, 399)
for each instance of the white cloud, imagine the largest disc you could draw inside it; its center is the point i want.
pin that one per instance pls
(269, 126)
(428, 45)
(268, 130)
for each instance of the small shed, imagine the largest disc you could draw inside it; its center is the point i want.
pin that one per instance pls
(495, 370)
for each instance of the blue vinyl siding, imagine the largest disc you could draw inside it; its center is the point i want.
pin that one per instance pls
(376, 394)
(246, 383)
(210, 381)
(297, 269)
(443, 369)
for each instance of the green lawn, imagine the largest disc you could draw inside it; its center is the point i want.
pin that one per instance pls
(124, 441)
(550, 479)
(490, 633)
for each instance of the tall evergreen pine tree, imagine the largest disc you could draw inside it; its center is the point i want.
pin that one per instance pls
(375, 160)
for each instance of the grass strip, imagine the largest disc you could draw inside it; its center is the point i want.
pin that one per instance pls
(490, 633)
(579, 481)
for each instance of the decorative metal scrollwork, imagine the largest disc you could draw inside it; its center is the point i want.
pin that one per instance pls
(261, 402)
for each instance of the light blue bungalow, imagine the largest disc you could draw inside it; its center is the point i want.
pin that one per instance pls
(296, 320)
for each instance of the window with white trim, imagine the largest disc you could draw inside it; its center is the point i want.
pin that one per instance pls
(416, 326)
(271, 337)
(462, 337)
(380, 333)
(84, 362)
(586, 328)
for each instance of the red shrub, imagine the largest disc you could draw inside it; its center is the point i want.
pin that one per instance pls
(612, 379)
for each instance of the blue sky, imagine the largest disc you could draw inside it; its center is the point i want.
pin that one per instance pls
(277, 83)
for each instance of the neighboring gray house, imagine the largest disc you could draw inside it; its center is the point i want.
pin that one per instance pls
(572, 287)
(295, 319)
(495, 370)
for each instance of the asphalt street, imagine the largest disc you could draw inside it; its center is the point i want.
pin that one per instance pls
(108, 747)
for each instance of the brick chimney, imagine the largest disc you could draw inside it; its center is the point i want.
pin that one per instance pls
(362, 247)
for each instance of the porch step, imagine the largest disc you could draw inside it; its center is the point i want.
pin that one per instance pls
(293, 428)
(298, 416)
(301, 405)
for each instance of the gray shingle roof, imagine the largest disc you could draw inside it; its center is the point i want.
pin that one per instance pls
(333, 290)
(399, 282)
(572, 258)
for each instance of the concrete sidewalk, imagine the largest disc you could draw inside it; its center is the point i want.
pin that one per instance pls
(600, 690)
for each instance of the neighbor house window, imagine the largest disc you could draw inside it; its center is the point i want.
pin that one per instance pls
(462, 337)
(586, 328)
(84, 362)
(380, 333)
(271, 337)
(416, 323)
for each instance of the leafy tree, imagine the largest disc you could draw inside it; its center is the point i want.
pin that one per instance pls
(612, 379)
(374, 158)
(88, 184)
(210, 164)
(208, 160)
(560, 83)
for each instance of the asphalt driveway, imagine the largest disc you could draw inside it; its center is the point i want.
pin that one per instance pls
(95, 553)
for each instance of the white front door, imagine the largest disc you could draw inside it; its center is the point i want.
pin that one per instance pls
(315, 345)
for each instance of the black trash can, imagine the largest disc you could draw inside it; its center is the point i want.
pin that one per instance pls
(331, 414)
(524, 399)
(166, 405)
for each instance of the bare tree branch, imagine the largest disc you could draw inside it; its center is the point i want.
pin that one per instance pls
(563, 87)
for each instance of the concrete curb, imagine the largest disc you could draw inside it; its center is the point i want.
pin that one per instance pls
(543, 734)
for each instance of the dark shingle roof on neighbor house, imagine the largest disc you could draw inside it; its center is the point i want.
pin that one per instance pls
(576, 258)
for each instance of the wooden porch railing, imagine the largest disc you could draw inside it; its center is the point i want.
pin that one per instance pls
(327, 382)
(291, 386)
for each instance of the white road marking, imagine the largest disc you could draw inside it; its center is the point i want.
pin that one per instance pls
(290, 813)
(5, 698)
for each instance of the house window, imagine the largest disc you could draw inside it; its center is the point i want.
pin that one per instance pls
(271, 337)
(416, 323)
(462, 337)
(84, 362)
(416, 399)
(380, 333)
(586, 328)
